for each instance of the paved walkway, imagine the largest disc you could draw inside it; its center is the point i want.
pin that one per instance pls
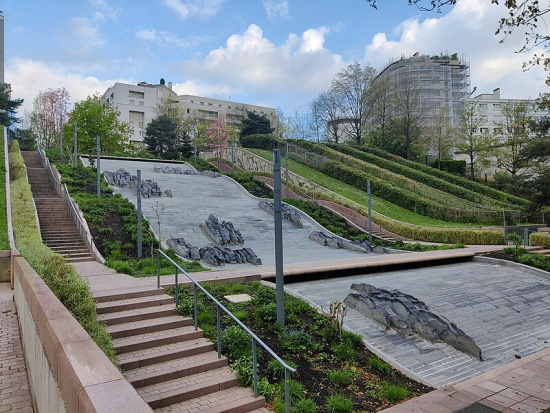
(14, 386)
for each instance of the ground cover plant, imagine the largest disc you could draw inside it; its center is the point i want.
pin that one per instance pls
(252, 185)
(112, 220)
(520, 255)
(73, 292)
(4, 243)
(334, 369)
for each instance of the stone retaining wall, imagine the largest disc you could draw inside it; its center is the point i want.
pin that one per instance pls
(67, 371)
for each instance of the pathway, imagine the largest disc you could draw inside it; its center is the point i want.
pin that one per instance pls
(14, 386)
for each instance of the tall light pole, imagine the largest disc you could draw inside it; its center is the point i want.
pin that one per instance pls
(279, 278)
(139, 234)
(75, 145)
(61, 135)
(98, 167)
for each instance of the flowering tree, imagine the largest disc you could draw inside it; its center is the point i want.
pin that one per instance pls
(219, 134)
(49, 112)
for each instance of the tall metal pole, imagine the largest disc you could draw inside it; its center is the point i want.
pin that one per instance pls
(98, 167)
(61, 135)
(75, 145)
(279, 281)
(370, 211)
(286, 155)
(139, 235)
(195, 149)
(232, 156)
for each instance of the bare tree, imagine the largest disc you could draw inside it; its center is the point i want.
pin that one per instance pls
(48, 114)
(351, 86)
(471, 141)
(317, 127)
(382, 96)
(328, 112)
(441, 135)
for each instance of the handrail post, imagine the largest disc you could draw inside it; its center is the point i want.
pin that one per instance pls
(158, 270)
(219, 330)
(177, 285)
(254, 367)
(287, 392)
(195, 306)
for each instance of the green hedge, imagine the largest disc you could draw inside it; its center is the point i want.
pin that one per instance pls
(466, 183)
(539, 239)
(4, 242)
(73, 292)
(452, 166)
(259, 141)
(422, 177)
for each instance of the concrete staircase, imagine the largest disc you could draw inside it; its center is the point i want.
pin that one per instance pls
(57, 227)
(172, 366)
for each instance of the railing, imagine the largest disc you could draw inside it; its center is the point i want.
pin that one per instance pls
(63, 192)
(219, 307)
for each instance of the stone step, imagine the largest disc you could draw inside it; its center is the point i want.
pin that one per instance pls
(542, 251)
(232, 400)
(175, 369)
(186, 388)
(159, 354)
(61, 242)
(132, 303)
(75, 256)
(79, 259)
(147, 326)
(137, 314)
(129, 294)
(156, 339)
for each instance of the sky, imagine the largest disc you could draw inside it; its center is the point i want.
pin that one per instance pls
(275, 53)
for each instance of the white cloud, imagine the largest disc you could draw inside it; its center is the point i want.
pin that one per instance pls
(105, 10)
(166, 39)
(201, 8)
(467, 29)
(28, 77)
(251, 65)
(276, 9)
(83, 29)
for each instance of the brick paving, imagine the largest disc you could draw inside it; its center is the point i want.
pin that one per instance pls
(14, 386)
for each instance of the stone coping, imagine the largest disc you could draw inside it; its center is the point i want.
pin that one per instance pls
(87, 379)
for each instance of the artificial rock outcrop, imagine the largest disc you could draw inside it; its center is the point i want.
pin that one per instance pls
(288, 213)
(223, 233)
(407, 315)
(332, 241)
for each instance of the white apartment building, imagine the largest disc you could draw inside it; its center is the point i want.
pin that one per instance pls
(139, 104)
(490, 107)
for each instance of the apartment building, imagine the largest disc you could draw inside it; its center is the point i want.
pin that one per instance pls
(139, 104)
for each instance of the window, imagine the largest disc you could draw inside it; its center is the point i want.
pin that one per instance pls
(140, 124)
(131, 103)
(141, 133)
(131, 123)
(141, 103)
(188, 111)
(133, 114)
(496, 106)
(134, 94)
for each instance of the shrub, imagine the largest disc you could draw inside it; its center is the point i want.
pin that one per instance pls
(259, 141)
(265, 296)
(344, 352)
(266, 389)
(244, 367)
(338, 403)
(379, 365)
(340, 377)
(393, 392)
(267, 313)
(206, 317)
(294, 305)
(236, 343)
(536, 260)
(351, 339)
(300, 342)
(296, 391)
(277, 369)
(305, 406)
(539, 239)
(120, 267)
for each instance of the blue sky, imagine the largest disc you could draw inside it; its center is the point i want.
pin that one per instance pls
(278, 53)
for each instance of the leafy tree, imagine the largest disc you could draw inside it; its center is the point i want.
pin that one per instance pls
(470, 142)
(8, 106)
(255, 124)
(49, 112)
(26, 138)
(514, 137)
(527, 14)
(161, 136)
(94, 118)
(441, 135)
(351, 86)
(382, 94)
(219, 134)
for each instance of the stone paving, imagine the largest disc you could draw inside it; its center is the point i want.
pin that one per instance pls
(14, 387)
(195, 197)
(505, 310)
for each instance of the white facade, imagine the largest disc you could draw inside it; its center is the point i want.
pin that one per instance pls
(139, 104)
(490, 106)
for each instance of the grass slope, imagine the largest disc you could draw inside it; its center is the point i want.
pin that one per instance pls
(4, 243)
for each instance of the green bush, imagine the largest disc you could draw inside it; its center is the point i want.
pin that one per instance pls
(539, 239)
(536, 260)
(267, 313)
(452, 166)
(266, 389)
(254, 186)
(300, 342)
(244, 367)
(340, 377)
(305, 406)
(236, 343)
(393, 392)
(277, 369)
(4, 243)
(296, 391)
(379, 365)
(344, 352)
(120, 267)
(259, 141)
(338, 403)
(352, 340)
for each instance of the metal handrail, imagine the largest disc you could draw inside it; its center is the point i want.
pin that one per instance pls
(63, 192)
(219, 306)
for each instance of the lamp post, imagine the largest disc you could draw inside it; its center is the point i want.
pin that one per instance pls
(139, 234)
(61, 135)
(98, 167)
(279, 279)
(75, 145)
